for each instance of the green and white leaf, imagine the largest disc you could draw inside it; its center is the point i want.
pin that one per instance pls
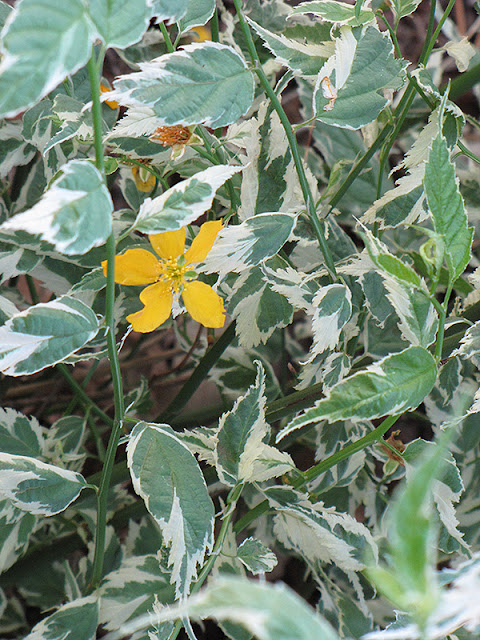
(340, 13)
(397, 383)
(241, 247)
(256, 557)
(168, 10)
(319, 534)
(269, 612)
(205, 83)
(76, 121)
(77, 620)
(242, 452)
(447, 208)
(183, 203)
(45, 334)
(64, 442)
(37, 487)
(20, 434)
(269, 179)
(305, 59)
(256, 307)
(363, 66)
(16, 529)
(402, 8)
(132, 589)
(327, 368)
(198, 13)
(297, 287)
(14, 150)
(418, 317)
(39, 52)
(166, 475)
(120, 24)
(74, 215)
(332, 310)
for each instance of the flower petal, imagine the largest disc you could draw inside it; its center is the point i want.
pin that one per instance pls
(135, 266)
(204, 241)
(203, 304)
(158, 300)
(144, 180)
(169, 244)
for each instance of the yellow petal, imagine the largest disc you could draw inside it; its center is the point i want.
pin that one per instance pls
(111, 103)
(169, 244)
(135, 266)
(142, 182)
(203, 304)
(157, 299)
(204, 241)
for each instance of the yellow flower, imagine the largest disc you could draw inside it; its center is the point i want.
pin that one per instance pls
(111, 103)
(144, 180)
(172, 275)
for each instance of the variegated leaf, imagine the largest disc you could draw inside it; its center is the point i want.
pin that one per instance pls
(45, 334)
(77, 620)
(16, 528)
(20, 434)
(241, 247)
(74, 215)
(183, 203)
(242, 453)
(37, 487)
(166, 475)
(256, 557)
(332, 306)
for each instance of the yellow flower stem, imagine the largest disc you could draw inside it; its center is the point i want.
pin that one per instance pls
(94, 69)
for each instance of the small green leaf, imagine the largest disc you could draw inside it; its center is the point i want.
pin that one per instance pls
(205, 83)
(37, 487)
(447, 208)
(45, 334)
(166, 475)
(74, 215)
(391, 386)
(118, 23)
(41, 46)
(256, 556)
(183, 203)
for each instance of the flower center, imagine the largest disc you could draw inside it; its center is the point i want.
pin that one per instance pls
(170, 136)
(173, 273)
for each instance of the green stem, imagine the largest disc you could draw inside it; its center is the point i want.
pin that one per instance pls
(431, 42)
(317, 224)
(302, 479)
(347, 451)
(199, 373)
(166, 37)
(442, 315)
(84, 397)
(94, 67)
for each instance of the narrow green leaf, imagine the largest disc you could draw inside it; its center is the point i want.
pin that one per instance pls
(240, 247)
(74, 215)
(45, 334)
(391, 386)
(43, 42)
(388, 263)
(447, 207)
(37, 487)
(166, 475)
(118, 23)
(183, 203)
(76, 620)
(205, 83)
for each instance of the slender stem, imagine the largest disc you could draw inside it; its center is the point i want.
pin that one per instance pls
(166, 37)
(84, 397)
(433, 39)
(307, 476)
(431, 18)
(94, 67)
(317, 224)
(199, 373)
(441, 323)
